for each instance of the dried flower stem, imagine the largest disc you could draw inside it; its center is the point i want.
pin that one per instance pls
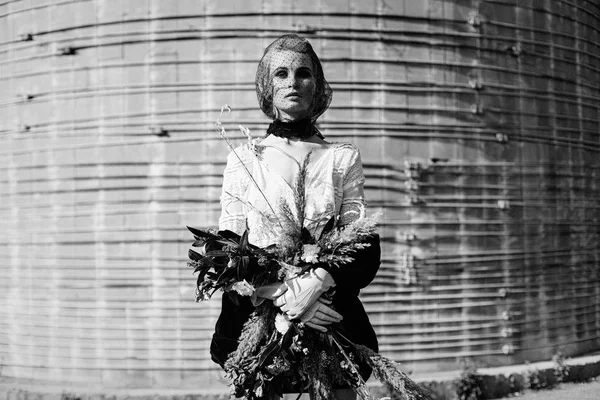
(300, 189)
(255, 330)
(361, 390)
(221, 130)
(386, 371)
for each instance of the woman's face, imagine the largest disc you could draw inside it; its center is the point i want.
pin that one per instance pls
(294, 84)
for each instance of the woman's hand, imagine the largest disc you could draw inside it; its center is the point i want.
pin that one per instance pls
(303, 291)
(319, 315)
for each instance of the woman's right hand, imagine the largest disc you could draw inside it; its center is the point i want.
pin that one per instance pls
(270, 291)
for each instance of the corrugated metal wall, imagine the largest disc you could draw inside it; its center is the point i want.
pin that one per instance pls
(478, 123)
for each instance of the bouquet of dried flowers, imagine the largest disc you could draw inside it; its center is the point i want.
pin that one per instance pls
(274, 352)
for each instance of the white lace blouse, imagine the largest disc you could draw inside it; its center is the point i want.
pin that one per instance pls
(333, 186)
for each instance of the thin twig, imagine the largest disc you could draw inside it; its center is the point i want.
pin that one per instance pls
(221, 130)
(248, 204)
(361, 390)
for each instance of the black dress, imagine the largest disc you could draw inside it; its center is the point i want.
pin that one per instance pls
(349, 279)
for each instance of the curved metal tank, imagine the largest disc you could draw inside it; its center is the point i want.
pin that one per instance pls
(479, 129)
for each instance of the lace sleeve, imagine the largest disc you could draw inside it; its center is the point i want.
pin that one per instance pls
(353, 198)
(235, 183)
(358, 273)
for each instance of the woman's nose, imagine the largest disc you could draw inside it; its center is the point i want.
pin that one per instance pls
(295, 82)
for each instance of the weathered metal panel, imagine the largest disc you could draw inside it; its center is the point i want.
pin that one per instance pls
(478, 124)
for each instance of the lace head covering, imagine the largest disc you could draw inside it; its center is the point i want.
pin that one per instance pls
(264, 77)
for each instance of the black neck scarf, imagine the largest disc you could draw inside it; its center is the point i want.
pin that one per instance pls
(294, 130)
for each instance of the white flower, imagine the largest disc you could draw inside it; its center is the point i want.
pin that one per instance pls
(246, 132)
(310, 253)
(243, 288)
(201, 296)
(282, 323)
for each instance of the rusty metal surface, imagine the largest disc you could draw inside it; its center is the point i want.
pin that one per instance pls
(479, 128)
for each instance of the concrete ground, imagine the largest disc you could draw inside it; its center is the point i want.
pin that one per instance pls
(567, 391)
(498, 382)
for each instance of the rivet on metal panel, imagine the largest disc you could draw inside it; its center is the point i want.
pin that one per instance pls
(159, 131)
(67, 51)
(25, 97)
(411, 199)
(26, 37)
(475, 83)
(474, 20)
(411, 185)
(502, 137)
(409, 236)
(506, 332)
(412, 169)
(515, 50)
(508, 349)
(407, 264)
(301, 26)
(503, 204)
(476, 109)
(407, 278)
(435, 160)
(407, 260)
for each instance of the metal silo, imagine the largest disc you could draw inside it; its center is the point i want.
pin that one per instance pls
(478, 125)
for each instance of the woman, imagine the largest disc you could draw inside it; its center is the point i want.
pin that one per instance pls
(293, 92)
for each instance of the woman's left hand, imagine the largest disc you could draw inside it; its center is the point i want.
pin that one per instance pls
(319, 315)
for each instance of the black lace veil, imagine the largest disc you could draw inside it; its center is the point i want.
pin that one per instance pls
(264, 78)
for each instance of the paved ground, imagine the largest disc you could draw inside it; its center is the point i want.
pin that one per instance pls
(443, 383)
(567, 391)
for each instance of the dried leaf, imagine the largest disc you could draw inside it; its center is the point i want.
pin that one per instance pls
(235, 298)
(192, 255)
(244, 240)
(217, 253)
(267, 351)
(328, 226)
(199, 243)
(306, 237)
(200, 233)
(227, 234)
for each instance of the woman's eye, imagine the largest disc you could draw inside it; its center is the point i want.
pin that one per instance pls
(281, 74)
(303, 74)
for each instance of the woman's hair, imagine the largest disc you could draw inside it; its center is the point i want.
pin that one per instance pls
(264, 78)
